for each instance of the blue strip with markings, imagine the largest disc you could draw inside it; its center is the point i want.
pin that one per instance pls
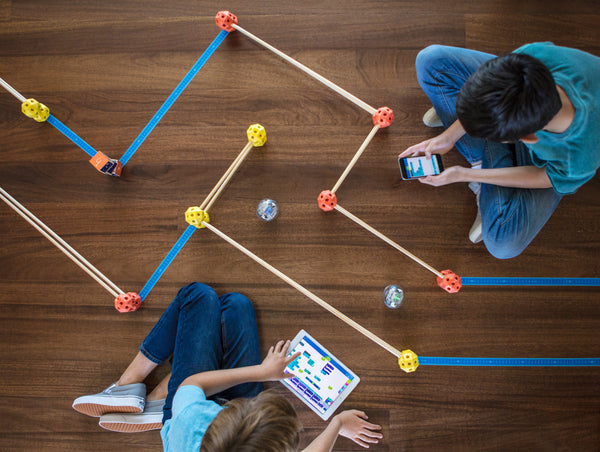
(590, 282)
(509, 362)
(173, 97)
(71, 135)
(167, 261)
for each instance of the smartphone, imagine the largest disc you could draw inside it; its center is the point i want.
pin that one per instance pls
(415, 167)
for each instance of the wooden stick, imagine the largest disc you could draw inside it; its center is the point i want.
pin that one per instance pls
(310, 72)
(355, 159)
(234, 168)
(12, 91)
(60, 244)
(226, 174)
(344, 318)
(387, 240)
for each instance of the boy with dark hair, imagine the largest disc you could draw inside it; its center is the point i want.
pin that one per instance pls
(527, 122)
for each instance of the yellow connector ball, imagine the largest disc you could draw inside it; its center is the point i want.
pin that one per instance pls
(43, 113)
(195, 216)
(257, 135)
(35, 110)
(30, 107)
(408, 361)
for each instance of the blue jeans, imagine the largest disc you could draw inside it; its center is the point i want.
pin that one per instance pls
(202, 332)
(510, 217)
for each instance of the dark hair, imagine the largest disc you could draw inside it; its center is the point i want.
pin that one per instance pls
(266, 423)
(508, 98)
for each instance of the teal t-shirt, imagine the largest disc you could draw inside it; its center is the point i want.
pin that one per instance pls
(571, 158)
(192, 414)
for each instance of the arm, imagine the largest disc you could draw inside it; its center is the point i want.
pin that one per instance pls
(517, 176)
(272, 368)
(353, 425)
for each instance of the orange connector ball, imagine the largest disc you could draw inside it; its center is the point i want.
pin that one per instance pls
(383, 117)
(451, 282)
(128, 302)
(327, 201)
(224, 19)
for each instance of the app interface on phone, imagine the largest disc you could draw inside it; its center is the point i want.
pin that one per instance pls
(420, 166)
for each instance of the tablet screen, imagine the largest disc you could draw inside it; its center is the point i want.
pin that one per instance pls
(321, 381)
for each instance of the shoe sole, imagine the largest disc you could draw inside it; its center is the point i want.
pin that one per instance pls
(127, 427)
(97, 409)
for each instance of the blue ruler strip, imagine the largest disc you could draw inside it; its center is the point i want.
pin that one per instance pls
(71, 135)
(167, 261)
(466, 281)
(173, 97)
(509, 362)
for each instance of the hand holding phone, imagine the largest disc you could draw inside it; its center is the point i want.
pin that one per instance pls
(420, 166)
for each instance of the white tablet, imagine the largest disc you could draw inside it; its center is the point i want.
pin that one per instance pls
(321, 381)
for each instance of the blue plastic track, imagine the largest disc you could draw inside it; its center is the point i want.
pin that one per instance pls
(167, 261)
(466, 281)
(173, 97)
(509, 362)
(71, 135)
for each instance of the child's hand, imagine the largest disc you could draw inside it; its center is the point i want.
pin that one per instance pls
(276, 361)
(353, 425)
(448, 176)
(437, 145)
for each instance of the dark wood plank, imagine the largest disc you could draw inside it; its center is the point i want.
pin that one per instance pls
(105, 68)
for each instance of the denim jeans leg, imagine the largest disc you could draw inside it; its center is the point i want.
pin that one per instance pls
(442, 71)
(239, 334)
(512, 217)
(190, 330)
(159, 344)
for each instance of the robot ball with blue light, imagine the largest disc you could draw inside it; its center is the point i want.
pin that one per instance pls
(393, 296)
(267, 210)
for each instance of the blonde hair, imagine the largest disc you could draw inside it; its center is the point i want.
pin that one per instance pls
(266, 423)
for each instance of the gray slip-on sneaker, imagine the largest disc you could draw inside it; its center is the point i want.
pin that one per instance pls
(475, 234)
(114, 399)
(149, 419)
(431, 118)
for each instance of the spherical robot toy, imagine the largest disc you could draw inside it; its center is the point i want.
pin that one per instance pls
(393, 296)
(267, 210)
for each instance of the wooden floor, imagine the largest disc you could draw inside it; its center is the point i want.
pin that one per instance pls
(104, 68)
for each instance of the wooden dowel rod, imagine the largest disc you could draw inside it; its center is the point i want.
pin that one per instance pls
(60, 244)
(225, 175)
(310, 72)
(12, 91)
(344, 318)
(355, 159)
(387, 240)
(235, 167)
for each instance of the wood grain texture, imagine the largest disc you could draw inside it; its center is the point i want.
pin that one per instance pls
(104, 68)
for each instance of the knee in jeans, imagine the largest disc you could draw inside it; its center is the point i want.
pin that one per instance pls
(429, 58)
(239, 302)
(505, 249)
(196, 292)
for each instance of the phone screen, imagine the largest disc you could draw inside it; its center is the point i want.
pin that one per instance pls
(419, 166)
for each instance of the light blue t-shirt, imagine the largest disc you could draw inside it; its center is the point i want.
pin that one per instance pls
(192, 414)
(571, 158)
